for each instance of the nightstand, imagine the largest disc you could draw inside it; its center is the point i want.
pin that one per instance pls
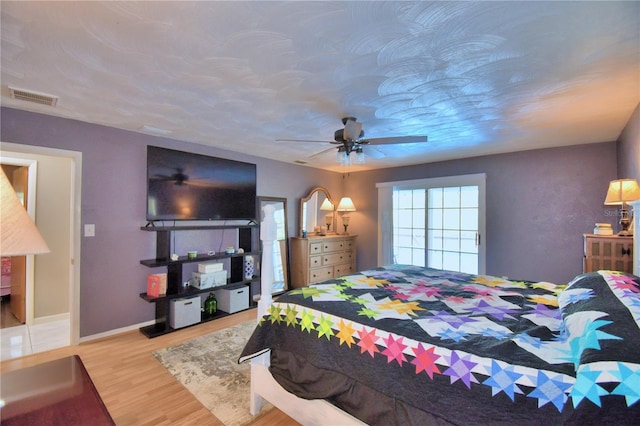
(608, 252)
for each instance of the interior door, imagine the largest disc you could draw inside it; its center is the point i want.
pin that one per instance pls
(19, 263)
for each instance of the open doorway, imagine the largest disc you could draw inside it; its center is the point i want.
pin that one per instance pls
(52, 293)
(17, 271)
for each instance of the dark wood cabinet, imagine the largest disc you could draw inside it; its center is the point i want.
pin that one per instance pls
(608, 252)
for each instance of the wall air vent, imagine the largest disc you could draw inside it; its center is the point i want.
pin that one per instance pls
(31, 96)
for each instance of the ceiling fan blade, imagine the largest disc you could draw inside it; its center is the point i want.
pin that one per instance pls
(303, 140)
(395, 140)
(322, 152)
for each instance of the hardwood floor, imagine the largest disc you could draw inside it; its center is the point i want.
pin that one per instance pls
(135, 388)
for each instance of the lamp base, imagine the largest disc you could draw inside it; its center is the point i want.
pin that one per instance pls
(625, 222)
(345, 229)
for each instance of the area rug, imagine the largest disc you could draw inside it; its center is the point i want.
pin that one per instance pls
(208, 367)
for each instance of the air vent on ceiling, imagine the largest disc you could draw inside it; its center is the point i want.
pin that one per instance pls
(300, 161)
(31, 96)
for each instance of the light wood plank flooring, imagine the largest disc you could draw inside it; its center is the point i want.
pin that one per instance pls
(135, 388)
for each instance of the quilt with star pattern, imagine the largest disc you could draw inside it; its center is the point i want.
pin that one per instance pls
(410, 345)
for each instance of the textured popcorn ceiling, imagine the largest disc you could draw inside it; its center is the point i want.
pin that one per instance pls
(476, 77)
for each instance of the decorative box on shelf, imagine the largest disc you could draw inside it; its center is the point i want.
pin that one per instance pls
(209, 280)
(209, 267)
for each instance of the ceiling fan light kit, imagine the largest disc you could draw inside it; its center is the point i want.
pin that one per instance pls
(345, 158)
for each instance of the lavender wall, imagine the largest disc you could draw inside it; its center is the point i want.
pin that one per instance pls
(629, 148)
(539, 203)
(113, 198)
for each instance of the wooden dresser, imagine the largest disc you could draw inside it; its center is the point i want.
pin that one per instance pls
(608, 252)
(315, 259)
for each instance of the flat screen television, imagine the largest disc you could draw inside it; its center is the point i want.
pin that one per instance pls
(188, 186)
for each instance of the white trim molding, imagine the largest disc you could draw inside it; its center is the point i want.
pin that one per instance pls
(116, 331)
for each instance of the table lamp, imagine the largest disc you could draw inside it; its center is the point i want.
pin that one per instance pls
(345, 206)
(18, 234)
(620, 192)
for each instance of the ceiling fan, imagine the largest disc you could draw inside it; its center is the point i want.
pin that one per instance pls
(351, 139)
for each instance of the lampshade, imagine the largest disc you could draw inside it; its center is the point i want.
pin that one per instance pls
(621, 191)
(326, 205)
(19, 235)
(346, 205)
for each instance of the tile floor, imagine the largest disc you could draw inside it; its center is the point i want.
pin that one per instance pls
(23, 340)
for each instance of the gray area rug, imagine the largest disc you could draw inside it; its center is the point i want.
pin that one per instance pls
(208, 367)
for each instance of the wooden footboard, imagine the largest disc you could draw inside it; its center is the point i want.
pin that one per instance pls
(263, 385)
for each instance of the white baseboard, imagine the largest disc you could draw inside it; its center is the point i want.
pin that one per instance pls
(52, 318)
(116, 331)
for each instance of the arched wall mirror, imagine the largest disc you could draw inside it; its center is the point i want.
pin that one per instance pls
(317, 210)
(281, 247)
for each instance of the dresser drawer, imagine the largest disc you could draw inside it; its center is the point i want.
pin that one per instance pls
(315, 261)
(315, 248)
(349, 256)
(333, 259)
(344, 269)
(331, 246)
(320, 274)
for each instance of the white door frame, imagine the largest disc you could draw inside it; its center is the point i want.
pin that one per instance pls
(13, 151)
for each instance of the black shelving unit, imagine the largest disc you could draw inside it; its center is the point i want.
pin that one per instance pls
(248, 238)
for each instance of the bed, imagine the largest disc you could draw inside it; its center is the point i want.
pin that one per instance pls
(404, 345)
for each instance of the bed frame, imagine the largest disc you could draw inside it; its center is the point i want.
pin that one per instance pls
(263, 385)
(317, 411)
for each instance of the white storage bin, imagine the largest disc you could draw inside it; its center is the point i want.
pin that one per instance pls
(184, 312)
(233, 299)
